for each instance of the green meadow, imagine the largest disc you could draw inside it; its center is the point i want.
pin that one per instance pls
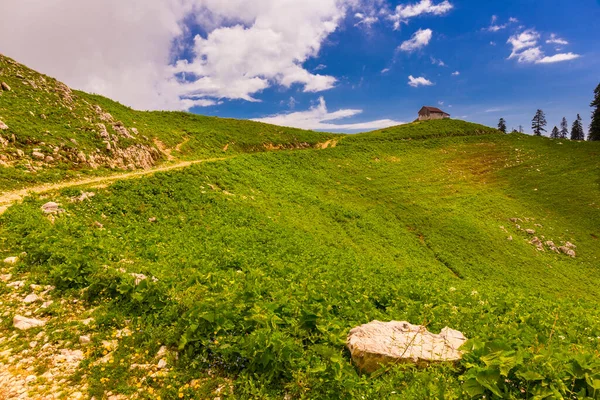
(258, 266)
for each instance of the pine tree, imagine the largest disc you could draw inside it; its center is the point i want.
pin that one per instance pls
(502, 125)
(564, 129)
(577, 130)
(555, 133)
(594, 133)
(538, 123)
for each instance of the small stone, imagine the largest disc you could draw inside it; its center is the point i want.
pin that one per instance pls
(3, 126)
(38, 155)
(16, 284)
(33, 344)
(11, 260)
(153, 219)
(84, 339)
(5, 278)
(49, 159)
(88, 321)
(530, 231)
(31, 298)
(23, 323)
(161, 352)
(5, 86)
(162, 363)
(98, 225)
(30, 378)
(47, 304)
(510, 238)
(51, 208)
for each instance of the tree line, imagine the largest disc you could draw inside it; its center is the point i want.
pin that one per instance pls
(539, 123)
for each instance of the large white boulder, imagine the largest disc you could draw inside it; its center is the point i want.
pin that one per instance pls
(379, 343)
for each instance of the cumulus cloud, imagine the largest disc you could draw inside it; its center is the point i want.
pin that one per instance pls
(318, 117)
(525, 49)
(456, 73)
(403, 13)
(418, 40)
(420, 81)
(133, 55)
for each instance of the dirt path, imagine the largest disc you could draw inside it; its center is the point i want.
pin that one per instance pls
(9, 198)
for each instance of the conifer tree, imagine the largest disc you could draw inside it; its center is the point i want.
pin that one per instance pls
(538, 123)
(577, 130)
(502, 125)
(594, 133)
(555, 133)
(564, 129)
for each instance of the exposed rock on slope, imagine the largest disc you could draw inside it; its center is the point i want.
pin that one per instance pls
(44, 123)
(380, 343)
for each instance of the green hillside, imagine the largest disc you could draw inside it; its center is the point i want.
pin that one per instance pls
(256, 267)
(55, 133)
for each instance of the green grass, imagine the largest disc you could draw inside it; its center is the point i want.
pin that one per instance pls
(265, 262)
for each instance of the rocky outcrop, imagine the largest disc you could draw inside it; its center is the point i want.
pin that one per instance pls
(378, 344)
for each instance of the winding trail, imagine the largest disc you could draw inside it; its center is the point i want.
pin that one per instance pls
(7, 199)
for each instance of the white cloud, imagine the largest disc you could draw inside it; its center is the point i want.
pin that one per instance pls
(523, 40)
(385, 71)
(456, 73)
(419, 39)
(128, 55)
(420, 81)
(404, 12)
(494, 27)
(367, 20)
(558, 58)
(526, 50)
(554, 39)
(319, 118)
(436, 61)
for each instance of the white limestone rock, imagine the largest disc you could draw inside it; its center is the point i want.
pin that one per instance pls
(382, 343)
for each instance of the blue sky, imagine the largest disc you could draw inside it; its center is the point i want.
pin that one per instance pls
(340, 65)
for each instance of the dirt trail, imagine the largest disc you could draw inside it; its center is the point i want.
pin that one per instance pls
(9, 198)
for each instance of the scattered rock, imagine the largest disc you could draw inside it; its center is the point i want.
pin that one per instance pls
(52, 208)
(550, 244)
(11, 260)
(380, 343)
(23, 323)
(88, 321)
(161, 352)
(5, 278)
(537, 243)
(32, 298)
(530, 231)
(5, 86)
(510, 238)
(153, 219)
(98, 225)
(47, 304)
(16, 284)
(84, 196)
(85, 339)
(3, 126)
(38, 155)
(568, 251)
(162, 363)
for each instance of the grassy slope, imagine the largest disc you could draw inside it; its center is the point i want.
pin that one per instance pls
(265, 261)
(44, 114)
